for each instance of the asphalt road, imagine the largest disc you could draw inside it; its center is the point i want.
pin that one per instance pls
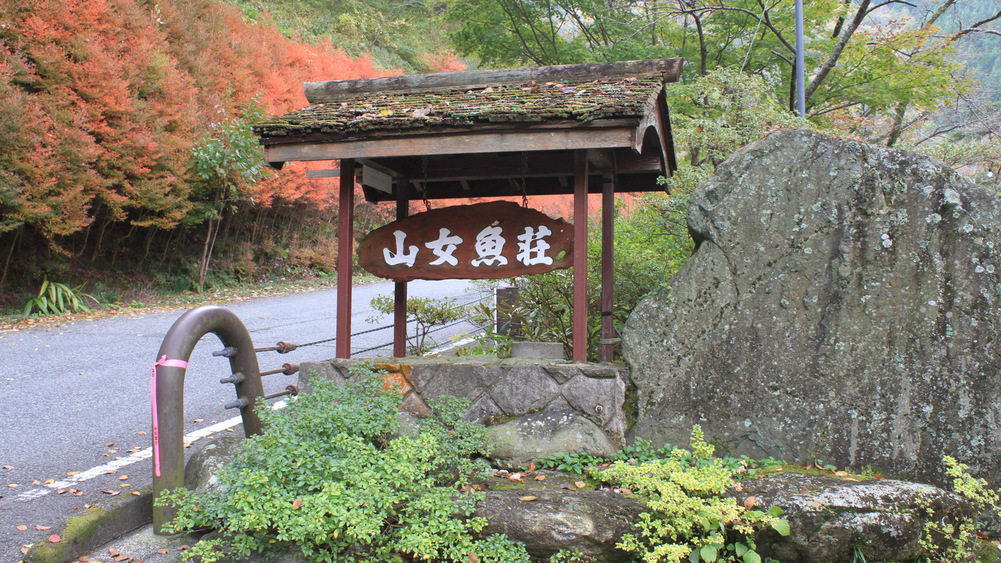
(75, 397)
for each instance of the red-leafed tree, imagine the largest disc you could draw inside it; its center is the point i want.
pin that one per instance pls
(101, 105)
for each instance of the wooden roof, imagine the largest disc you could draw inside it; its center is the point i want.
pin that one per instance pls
(487, 133)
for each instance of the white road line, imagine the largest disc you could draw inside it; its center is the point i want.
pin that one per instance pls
(134, 458)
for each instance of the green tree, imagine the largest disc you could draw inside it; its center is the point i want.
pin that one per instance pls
(225, 165)
(864, 66)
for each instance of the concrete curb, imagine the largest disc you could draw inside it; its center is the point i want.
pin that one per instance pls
(97, 526)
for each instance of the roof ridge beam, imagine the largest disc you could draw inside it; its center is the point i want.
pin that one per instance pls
(320, 92)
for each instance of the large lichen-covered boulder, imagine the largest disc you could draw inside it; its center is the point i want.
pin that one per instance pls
(842, 304)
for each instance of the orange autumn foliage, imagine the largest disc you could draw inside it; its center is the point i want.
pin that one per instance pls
(101, 102)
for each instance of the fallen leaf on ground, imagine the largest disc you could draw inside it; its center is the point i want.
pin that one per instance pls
(8, 467)
(123, 478)
(112, 493)
(528, 498)
(72, 473)
(625, 491)
(12, 485)
(55, 539)
(749, 502)
(42, 528)
(514, 477)
(24, 549)
(49, 481)
(199, 419)
(296, 504)
(141, 433)
(136, 493)
(22, 527)
(580, 484)
(163, 551)
(35, 482)
(473, 558)
(540, 477)
(113, 552)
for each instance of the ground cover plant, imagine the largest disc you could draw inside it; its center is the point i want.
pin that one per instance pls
(689, 516)
(331, 478)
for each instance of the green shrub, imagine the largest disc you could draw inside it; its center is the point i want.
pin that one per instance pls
(948, 539)
(690, 518)
(330, 477)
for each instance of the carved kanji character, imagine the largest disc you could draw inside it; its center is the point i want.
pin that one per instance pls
(532, 249)
(489, 245)
(444, 247)
(400, 257)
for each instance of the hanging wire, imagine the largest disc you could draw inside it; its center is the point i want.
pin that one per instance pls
(424, 167)
(524, 172)
(386, 327)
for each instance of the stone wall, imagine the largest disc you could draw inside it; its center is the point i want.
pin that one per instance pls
(500, 390)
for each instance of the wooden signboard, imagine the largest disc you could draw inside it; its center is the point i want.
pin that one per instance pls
(499, 239)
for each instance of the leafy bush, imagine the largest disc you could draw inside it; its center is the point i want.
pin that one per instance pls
(426, 312)
(946, 539)
(689, 517)
(330, 477)
(57, 299)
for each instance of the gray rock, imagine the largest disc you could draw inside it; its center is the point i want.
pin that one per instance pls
(201, 469)
(589, 522)
(830, 517)
(517, 443)
(522, 390)
(842, 304)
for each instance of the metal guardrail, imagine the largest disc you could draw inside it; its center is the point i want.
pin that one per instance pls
(168, 392)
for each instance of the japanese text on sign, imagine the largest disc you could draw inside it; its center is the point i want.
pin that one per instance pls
(484, 240)
(489, 246)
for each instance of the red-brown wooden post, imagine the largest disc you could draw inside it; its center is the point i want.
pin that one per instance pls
(345, 251)
(580, 257)
(607, 266)
(400, 292)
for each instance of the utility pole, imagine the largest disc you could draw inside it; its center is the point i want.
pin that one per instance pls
(800, 74)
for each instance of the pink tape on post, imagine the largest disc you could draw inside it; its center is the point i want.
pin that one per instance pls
(163, 361)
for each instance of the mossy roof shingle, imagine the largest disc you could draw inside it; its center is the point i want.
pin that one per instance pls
(580, 101)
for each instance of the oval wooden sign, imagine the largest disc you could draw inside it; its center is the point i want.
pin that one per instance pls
(498, 239)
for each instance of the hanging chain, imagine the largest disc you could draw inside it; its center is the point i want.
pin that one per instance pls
(424, 167)
(524, 172)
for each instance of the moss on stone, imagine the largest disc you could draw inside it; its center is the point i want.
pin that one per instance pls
(77, 531)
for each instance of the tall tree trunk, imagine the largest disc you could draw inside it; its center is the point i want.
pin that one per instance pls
(210, 236)
(100, 239)
(896, 129)
(6, 264)
(839, 48)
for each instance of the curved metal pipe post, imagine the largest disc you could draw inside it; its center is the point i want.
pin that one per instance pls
(168, 392)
